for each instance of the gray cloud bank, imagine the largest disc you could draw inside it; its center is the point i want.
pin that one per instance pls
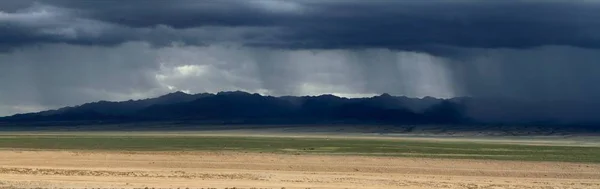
(305, 23)
(57, 53)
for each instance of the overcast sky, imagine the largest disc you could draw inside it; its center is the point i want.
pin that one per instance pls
(56, 53)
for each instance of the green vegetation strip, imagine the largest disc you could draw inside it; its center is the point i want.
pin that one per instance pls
(289, 145)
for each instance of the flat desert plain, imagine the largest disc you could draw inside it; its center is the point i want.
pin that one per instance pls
(102, 162)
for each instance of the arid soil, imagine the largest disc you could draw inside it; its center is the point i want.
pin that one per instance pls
(105, 169)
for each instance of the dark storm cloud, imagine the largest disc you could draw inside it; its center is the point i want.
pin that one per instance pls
(67, 52)
(407, 25)
(90, 23)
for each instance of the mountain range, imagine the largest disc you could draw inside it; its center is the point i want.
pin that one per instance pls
(246, 108)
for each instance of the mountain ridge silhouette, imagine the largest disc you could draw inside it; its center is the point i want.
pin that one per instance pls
(249, 108)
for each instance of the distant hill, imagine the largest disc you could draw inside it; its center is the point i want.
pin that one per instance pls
(104, 109)
(246, 108)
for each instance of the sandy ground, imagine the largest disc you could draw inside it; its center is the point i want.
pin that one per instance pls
(104, 169)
